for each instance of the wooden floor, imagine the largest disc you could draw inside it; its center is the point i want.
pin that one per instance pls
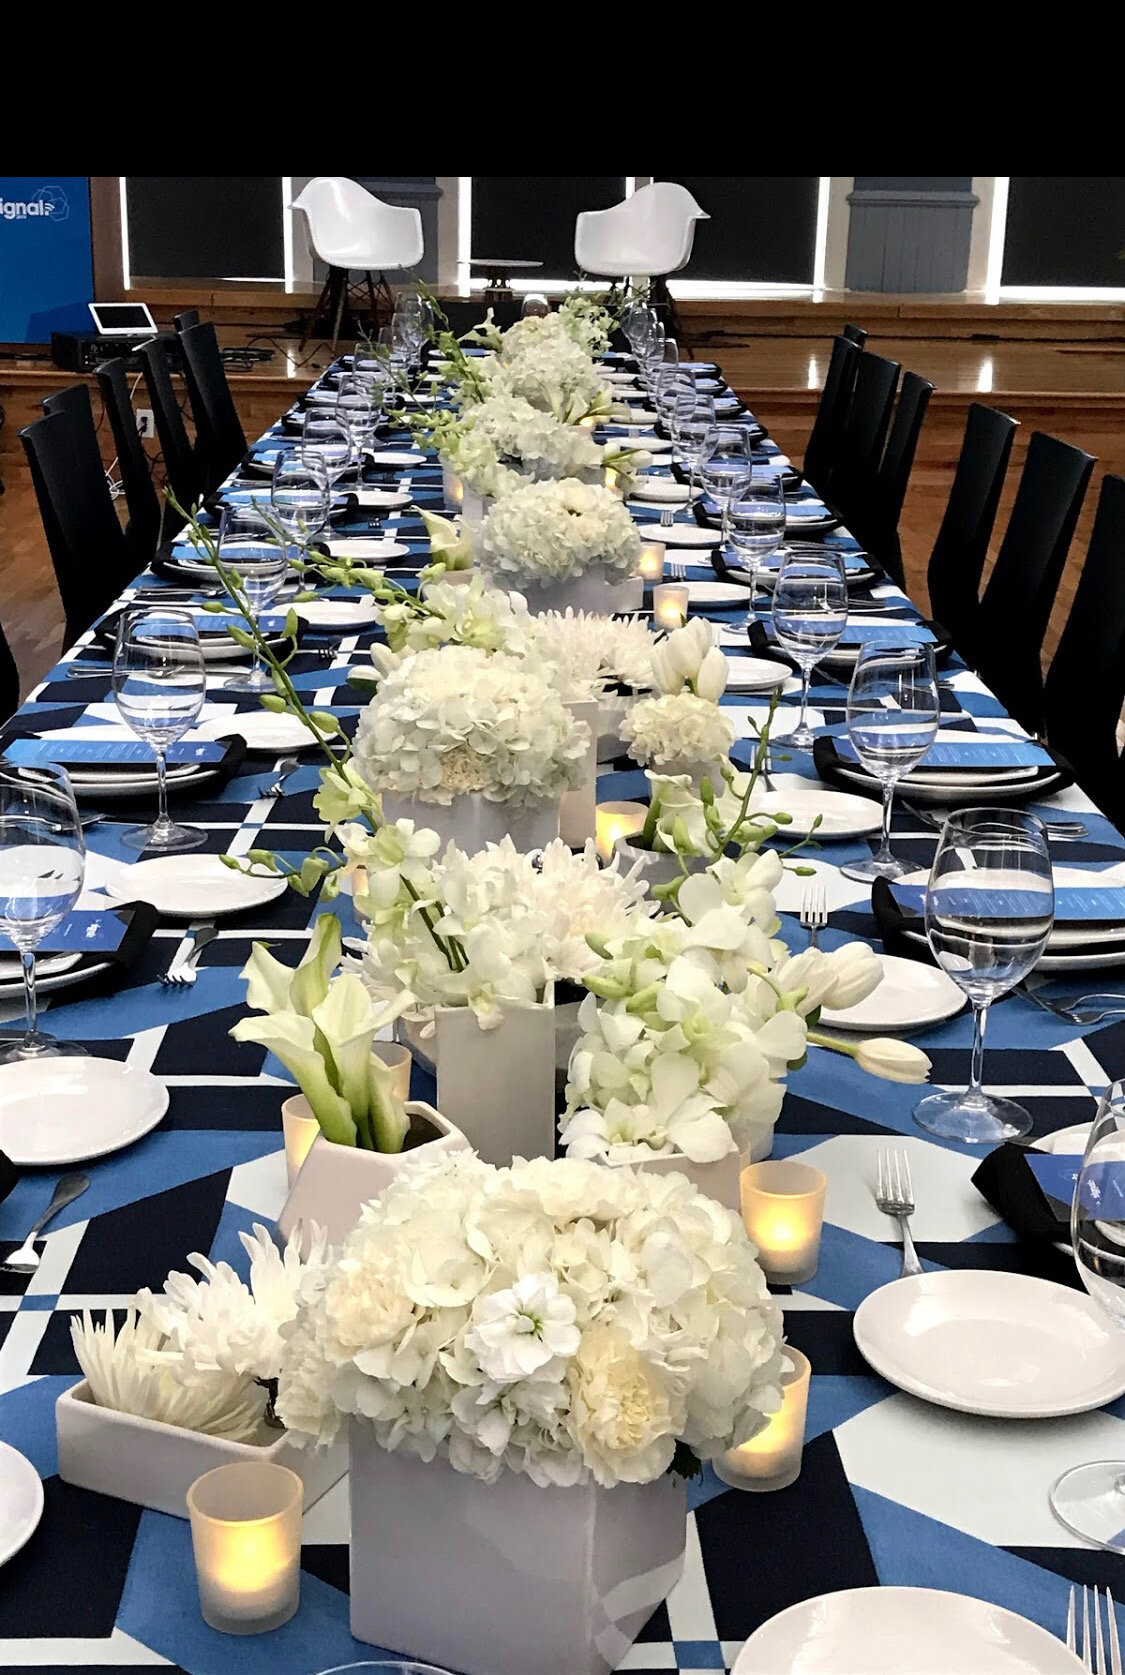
(1075, 390)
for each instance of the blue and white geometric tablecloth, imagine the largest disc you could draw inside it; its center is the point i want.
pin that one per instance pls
(892, 1490)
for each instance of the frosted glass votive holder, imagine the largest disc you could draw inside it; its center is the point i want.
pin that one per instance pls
(783, 1209)
(772, 1459)
(246, 1537)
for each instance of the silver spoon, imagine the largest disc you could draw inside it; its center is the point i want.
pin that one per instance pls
(26, 1259)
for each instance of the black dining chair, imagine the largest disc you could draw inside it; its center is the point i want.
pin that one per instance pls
(220, 438)
(9, 679)
(145, 511)
(856, 335)
(186, 318)
(1007, 638)
(74, 399)
(181, 466)
(961, 546)
(1084, 690)
(863, 436)
(820, 450)
(878, 528)
(91, 557)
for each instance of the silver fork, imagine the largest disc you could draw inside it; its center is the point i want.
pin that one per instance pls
(667, 517)
(288, 765)
(182, 972)
(894, 1195)
(813, 915)
(1091, 1009)
(1093, 1652)
(26, 1259)
(677, 568)
(1067, 831)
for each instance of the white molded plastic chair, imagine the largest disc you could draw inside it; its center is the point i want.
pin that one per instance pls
(645, 236)
(350, 228)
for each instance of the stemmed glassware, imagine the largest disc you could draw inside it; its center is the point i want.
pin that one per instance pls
(357, 414)
(726, 464)
(249, 548)
(755, 522)
(159, 684)
(42, 865)
(810, 612)
(693, 433)
(990, 906)
(325, 441)
(893, 715)
(300, 499)
(1090, 1499)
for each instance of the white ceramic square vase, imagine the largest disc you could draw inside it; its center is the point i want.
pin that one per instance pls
(506, 1578)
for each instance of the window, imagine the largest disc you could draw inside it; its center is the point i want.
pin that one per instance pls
(1064, 232)
(763, 229)
(531, 218)
(204, 227)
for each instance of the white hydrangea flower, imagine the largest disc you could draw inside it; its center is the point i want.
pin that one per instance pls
(549, 532)
(677, 727)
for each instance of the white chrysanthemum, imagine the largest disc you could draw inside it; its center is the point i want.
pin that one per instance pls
(549, 532)
(590, 652)
(454, 720)
(555, 1318)
(676, 727)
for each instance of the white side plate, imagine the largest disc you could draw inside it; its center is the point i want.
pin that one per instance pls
(65, 1110)
(184, 886)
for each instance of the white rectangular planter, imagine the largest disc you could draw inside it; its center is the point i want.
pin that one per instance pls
(335, 1182)
(151, 1464)
(506, 1578)
(472, 821)
(576, 811)
(720, 1180)
(498, 1085)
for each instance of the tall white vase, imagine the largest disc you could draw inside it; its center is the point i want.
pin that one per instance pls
(720, 1180)
(505, 1578)
(472, 821)
(576, 811)
(498, 1085)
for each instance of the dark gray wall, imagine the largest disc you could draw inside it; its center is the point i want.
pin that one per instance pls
(910, 232)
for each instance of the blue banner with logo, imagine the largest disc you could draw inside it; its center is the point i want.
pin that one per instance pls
(46, 259)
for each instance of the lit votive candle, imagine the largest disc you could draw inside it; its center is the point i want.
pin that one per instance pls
(783, 1208)
(587, 423)
(398, 1061)
(651, 566)
(452, 486)
(670, 605)
(299, 1128)
(246, 1536)
(616, 820)
(772, 1459)
(611, 479)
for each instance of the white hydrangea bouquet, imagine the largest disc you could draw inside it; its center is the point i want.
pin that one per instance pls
(504, 441)
(556, 1319)
(553, 532)
(682, 724)
(519, 922)
(454, 720)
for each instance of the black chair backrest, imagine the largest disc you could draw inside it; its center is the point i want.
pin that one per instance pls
(1085, 685)
(181, 468)
(820, 451)
(219, 433)
(189, 317)
(74, 399)
(88, 547)
(893, 475)
(9, 680)
(1012, 621)
(143, 529)
(863, 436)
(961, 547)
(856, 335)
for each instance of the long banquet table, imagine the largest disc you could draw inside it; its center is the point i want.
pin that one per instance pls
(892, 1491)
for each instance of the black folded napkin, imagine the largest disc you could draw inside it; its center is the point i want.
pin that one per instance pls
(211, 775)
(1006, 1179)
(893, 920)
(9, 1175)
(835, 769)
(103, 970)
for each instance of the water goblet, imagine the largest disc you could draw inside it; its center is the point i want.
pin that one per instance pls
(893, 715)
(259, 562)
(809, 613)
(159, 684)
(42, 865)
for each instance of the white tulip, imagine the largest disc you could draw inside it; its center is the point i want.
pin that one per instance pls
(895, 1061)
(711, 681)
(854, 971)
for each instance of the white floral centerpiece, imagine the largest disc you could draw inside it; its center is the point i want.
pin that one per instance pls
(681, 729)
(467, 614)
(530, 1350)
(550, 371)
(561, 543)
(454, 722)
(504, 441)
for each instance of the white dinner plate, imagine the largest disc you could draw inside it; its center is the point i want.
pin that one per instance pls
(183, 886)
(382, 500)
(724, 595)
(902, 1631)
(758, 674)
(1079, 943)
(909, 996)
(843, 816)
(681, 535)
(368, 549)
(663, 489)
(1001, 1345)
(21, 1501)
(262, 730)
(1066, 1142)
(55, 1111)
(944, 784)
(347, 615)
(393, 456)
(1109, 960)
(46, 965)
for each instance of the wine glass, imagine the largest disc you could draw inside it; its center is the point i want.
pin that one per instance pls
(893, 715)
(42, 865)
(300, 498)
(990, 906)
(693, 434)
(810, 612)
(1090, 1499)
(357, 414)
(726, 464)
(325, 441)
(755, 523)
(159, 684)
(255, 555)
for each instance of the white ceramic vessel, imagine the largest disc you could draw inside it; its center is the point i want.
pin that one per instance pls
(152, 1464)
(576, 811)
(506, 1578)
(472, 821)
